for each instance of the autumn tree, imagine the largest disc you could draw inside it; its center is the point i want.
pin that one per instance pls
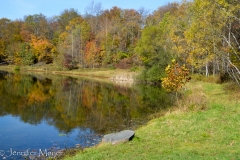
(73, 41)
(230, 38)
(42, 49)
(153, 52)
(177, 76)
(156, 17)
(119, 30)
(10, 39)
(92, 16)
(4, 37)
(66, 16)
(36, 24)
(92, 56)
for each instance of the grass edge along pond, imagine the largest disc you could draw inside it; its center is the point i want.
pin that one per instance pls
(101, 74)
(204, 125)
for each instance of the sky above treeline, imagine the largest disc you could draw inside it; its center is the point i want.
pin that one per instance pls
(17, 9)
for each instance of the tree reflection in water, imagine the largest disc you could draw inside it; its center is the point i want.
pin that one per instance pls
(68, 103)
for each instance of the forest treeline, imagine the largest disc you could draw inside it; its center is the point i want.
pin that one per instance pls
(202, 34)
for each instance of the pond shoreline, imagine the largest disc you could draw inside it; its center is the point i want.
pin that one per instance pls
(58, 94)
(119, 76)
(183, 132)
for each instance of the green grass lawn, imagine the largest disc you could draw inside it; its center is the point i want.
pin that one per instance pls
(187, 132)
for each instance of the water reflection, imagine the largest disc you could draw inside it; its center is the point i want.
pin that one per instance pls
(68, 103)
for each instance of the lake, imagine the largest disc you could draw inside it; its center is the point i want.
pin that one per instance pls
(41, 114)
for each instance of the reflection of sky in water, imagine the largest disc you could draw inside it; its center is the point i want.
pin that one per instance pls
(21, 136)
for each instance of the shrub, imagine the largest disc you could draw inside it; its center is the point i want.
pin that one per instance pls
(155, 74)
(151, 75)
(142, 77)
(28, 59)
(177, 76)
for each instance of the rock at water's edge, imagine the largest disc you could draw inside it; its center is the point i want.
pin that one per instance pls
(116, 138)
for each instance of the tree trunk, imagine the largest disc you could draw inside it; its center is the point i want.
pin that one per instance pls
(207, 71)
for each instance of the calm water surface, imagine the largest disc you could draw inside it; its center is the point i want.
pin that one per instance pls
(40, 113)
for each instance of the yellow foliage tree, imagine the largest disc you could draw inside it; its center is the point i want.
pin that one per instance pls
(177, 76)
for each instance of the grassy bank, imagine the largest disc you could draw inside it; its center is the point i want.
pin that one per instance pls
(97, 73)
(204, 125)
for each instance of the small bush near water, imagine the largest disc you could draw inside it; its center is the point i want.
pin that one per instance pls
(152, 75)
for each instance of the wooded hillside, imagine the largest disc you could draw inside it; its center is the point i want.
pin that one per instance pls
(202, 34)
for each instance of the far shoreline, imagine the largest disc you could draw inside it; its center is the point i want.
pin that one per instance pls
(100, 74)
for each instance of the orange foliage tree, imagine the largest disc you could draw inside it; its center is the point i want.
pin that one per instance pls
(42, 49)
(91, 54)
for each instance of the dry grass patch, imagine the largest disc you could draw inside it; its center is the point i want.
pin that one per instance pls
(193, 98)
